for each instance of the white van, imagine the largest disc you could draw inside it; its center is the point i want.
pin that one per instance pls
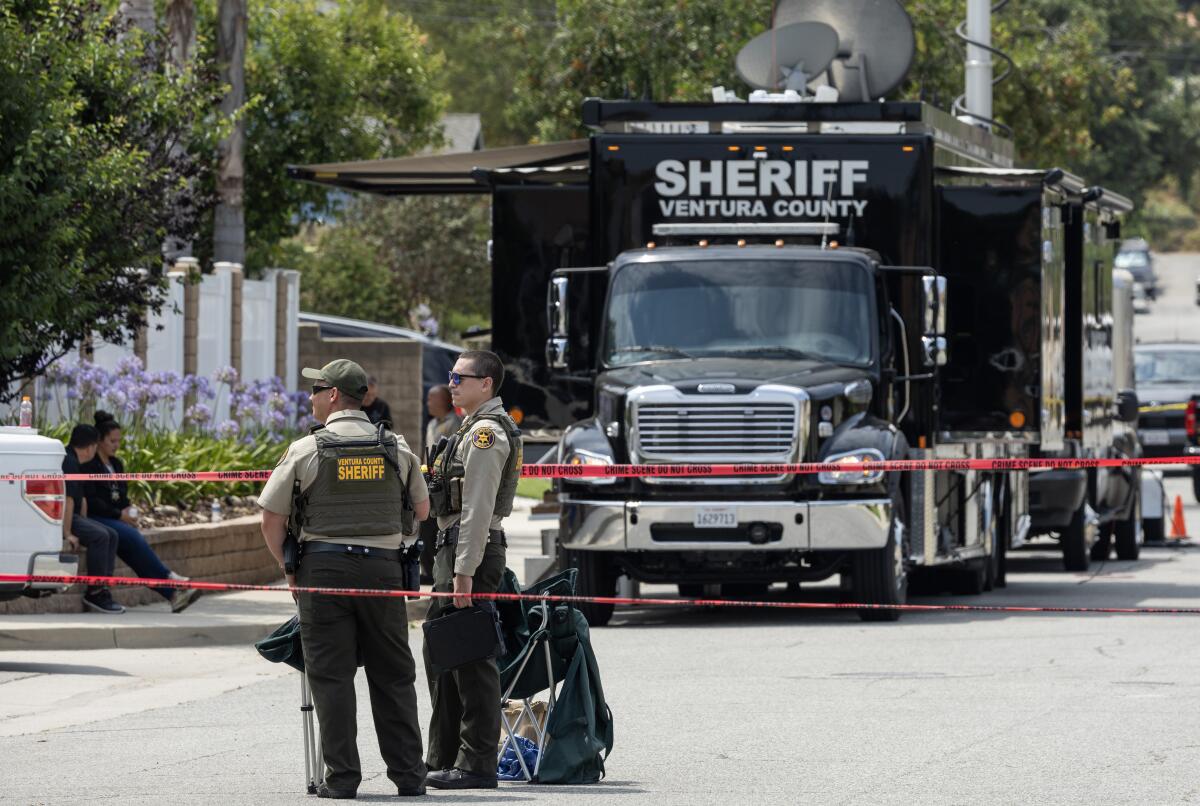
(31, 512)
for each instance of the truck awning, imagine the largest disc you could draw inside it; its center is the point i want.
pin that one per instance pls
(1102, 197)
(465, 172)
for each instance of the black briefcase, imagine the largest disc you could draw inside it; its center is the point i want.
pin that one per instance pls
(458, 637)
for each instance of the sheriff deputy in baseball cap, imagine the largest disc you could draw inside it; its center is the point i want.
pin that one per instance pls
(353, 491)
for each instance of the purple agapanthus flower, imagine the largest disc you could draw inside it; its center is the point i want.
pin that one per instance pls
(198, 414)
(129, 365)
(228, 429)
(227, 375)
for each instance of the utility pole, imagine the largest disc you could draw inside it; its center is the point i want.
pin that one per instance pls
(979, 62)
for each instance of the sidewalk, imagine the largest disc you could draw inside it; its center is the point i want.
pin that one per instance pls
(217, 619)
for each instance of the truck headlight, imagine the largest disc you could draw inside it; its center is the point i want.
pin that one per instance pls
(587, 445)
(580, 456)
(850, 475)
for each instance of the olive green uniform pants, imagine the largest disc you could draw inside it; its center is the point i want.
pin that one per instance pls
(336, 632)
(464, 730)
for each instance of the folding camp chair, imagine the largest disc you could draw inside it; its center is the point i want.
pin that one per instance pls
(539, 642)
(314, 765)
(283, 646)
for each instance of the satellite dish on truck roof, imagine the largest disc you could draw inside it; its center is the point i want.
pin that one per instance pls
(876, 42)
(787, 57)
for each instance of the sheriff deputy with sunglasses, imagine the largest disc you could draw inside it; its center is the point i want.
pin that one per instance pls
(353, 489)
(473, 478)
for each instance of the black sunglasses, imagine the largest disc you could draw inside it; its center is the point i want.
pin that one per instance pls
(456, 377)
(317, 389)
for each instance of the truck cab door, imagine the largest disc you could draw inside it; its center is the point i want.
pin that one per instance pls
(574, 311)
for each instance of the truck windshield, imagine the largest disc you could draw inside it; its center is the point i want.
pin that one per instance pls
(768, 308)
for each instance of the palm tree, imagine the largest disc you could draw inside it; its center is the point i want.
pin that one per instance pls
(181, 31)
(229, 227)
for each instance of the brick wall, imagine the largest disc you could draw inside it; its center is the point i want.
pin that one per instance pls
(395, 363)
(229, 551)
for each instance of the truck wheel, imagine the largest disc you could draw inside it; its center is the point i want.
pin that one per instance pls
(1196, 481)
(1005, 535)
(596, 578)
(880, 576)
(1128, 533)
(1074, 542)
(1154, 531)
(972, 580)
(992, 560)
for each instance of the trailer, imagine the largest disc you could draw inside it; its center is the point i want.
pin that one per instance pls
(793, 280)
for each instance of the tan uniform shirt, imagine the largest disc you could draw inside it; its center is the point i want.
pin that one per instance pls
(439, 427)
(300, 462)
(483, 450)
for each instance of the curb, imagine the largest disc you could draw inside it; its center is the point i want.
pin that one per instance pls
(151, 636)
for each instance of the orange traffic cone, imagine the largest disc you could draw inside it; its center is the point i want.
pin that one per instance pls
(1178, 528)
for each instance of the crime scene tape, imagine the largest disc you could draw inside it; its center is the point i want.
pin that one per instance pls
(685, 470)
(613, 600)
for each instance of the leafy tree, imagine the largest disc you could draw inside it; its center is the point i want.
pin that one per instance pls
(325, 82)
(665, 50)
(383, 258)
(90, 180)
(484, 45)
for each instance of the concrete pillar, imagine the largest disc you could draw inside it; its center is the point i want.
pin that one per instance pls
(186, 272)
(236, 278)
(287, 325)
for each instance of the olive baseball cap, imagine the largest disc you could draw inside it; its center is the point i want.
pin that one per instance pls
(342, 373)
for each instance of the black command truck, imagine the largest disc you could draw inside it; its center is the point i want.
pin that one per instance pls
(780, 282)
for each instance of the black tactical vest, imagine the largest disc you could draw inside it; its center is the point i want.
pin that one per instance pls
(358, 491)
(447, 470)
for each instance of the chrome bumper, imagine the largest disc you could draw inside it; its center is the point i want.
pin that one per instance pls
(592, 525)
(52, 564)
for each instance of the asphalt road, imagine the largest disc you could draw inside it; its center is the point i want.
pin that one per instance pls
(1174, 316)
(712, 706)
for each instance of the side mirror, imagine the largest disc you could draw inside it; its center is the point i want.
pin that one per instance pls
(934, 303)
(1127, 406)
(934, 351)
(558, 344)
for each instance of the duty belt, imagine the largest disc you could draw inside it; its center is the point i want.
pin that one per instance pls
(449, 537)
(321, 547)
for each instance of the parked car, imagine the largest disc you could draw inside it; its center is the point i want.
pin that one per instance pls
(1134, 256)
(1141, 301)
(1168, 384)
(31, 512)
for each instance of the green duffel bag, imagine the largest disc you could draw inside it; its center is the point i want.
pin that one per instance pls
(580, 730)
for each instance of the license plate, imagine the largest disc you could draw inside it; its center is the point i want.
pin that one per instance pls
(1155, 437)
(715, 517)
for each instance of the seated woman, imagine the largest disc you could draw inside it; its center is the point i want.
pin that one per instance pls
(79, 530)
(108, 504)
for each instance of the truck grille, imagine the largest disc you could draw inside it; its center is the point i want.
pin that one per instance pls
(688, 432)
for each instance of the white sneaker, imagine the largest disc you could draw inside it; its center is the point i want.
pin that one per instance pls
(183, 598)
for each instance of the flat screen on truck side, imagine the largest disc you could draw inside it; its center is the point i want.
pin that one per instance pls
(877, 190)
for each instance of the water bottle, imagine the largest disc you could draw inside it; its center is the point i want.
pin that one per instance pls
(216, 510)
(26, 412)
